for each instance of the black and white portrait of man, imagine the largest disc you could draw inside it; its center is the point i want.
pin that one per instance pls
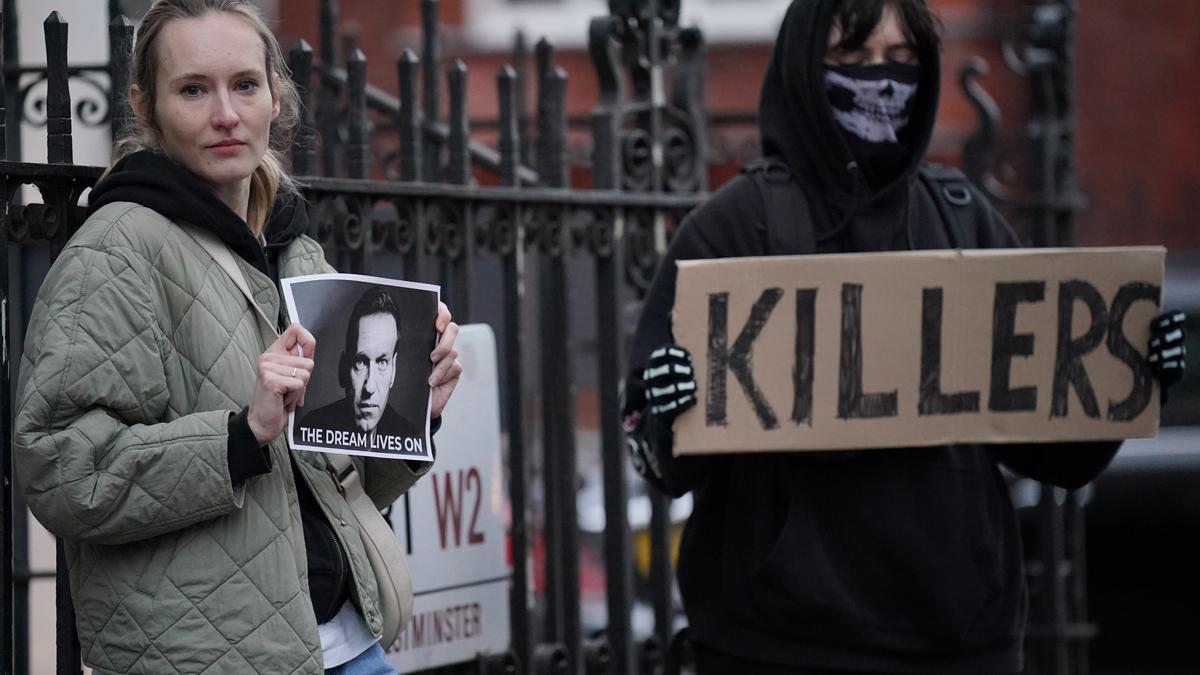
(369, 394)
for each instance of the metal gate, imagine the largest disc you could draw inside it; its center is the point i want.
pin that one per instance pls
(513, 245)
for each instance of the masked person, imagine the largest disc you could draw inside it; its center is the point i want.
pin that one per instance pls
(153, 394)
(877, 561)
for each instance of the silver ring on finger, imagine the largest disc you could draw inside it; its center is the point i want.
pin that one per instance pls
(293, 372)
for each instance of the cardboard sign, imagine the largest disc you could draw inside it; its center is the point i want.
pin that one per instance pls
(452, 523)
(922, 348)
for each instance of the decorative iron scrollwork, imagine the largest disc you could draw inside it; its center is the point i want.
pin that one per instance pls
(405, 228)
(496, 228)
(545, 230)
(681, 170)
(445, 229)
(1038, 48)
(321, 219)
(641, 249)
(637, 160)
(91, 100)
(594, 231)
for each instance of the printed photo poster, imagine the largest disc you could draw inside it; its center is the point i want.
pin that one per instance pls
(369, 392)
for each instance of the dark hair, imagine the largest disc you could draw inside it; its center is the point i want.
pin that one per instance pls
(376, 300)
(857, 20)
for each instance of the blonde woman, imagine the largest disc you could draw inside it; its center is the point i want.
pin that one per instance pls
(152, 398)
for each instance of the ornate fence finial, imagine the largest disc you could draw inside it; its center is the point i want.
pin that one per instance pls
(357, 154)
(408, 118)
(58, 92)
(300, 61)
(431, 84)
(120, 49)
(458, 170)
(979, 146)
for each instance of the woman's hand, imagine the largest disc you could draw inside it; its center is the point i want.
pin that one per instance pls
(283, 373)
(446, 367)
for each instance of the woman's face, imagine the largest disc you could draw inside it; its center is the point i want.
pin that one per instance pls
(213, 103)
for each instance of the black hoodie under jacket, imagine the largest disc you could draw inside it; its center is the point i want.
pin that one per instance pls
(894, 560)
(156, 182)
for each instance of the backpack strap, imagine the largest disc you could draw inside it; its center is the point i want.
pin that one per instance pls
(787, 218)
(952, 195)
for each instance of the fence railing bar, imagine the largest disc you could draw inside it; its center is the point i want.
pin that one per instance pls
(58, 92)
(458, 244)
(408, 120)
(606, 175)
(28, 171)
(563, 619)
(8, 553)
(435, 132)
(300, 62)
(12, 52)
(353, 226)
(544, 196)
(327, 113)
(120, 49)
(691, 171)
(59, 151)
(67, 656)
(431, 87)
(458, 168)
(583, 121)
(520, 65)
(3, 108)
(72, 70)
(381, 189)
(506, 241)
(553, 351)
(357, 156)
(408, 123)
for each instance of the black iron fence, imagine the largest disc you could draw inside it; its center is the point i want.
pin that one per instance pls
(523, 255)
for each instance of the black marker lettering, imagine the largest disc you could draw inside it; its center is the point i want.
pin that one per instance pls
(932, 400)
(852, 402)
(1120, 347)
(739, 358)
(1006, 344)
(1068, 357)
(718, 359)
(802, 372)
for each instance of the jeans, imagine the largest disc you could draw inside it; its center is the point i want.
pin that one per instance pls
(371, 662)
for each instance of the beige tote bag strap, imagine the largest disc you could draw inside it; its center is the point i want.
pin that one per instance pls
(224, 258)
(383, 551)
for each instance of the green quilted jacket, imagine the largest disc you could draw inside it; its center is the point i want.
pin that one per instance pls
(139, 349)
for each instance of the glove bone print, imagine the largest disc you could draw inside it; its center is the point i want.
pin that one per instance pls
(1168, 355)
(670, 381)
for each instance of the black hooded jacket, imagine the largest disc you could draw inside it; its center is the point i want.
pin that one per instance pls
(154, 181)
(896, 560)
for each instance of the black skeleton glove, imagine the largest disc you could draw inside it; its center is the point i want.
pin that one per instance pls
(670, 383)
(1167, 355)
(653, 399)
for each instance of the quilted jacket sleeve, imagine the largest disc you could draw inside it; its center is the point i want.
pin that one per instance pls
(93, 454)
(386, 479)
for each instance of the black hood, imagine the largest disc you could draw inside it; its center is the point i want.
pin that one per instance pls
(796, 120)
(156, 182)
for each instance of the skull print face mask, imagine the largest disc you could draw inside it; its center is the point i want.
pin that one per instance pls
(873, 102)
